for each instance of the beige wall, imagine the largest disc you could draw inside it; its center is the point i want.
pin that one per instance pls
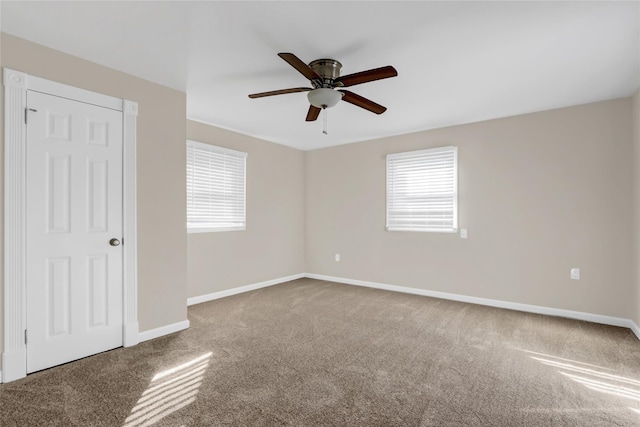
(538, 193)
(636, 200)
(272, 246)
(162, 289)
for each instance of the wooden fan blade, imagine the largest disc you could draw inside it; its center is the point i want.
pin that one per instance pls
(362, 102)
(313, 113)
(279, 92)
(302, 68)
(367, 76)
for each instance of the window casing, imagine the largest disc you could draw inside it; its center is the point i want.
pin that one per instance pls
(422, 190)
(216, 188)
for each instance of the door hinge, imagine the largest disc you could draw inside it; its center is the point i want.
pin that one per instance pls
(26, 111)
(25, 337)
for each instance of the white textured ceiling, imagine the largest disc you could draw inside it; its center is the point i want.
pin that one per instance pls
(457, 62)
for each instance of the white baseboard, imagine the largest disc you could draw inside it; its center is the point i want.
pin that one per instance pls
(241, 289)
(163, 330)
(578, 315)
(634, 327)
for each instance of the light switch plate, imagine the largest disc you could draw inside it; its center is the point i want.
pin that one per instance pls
(463, 233)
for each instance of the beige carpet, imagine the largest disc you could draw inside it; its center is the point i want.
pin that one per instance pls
(312, 353)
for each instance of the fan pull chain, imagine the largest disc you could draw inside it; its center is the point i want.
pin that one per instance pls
(324, 130)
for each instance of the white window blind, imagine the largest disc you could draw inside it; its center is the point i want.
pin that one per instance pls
(215, 188)
(422, 190)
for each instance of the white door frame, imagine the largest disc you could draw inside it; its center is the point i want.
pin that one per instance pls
(16, 84)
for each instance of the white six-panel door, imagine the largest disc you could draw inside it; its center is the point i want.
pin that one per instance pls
(74, 209)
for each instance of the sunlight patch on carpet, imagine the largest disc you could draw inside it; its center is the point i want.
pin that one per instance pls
(600, 368)
(168, 392)
(605, 387)
(593, 377)
(587, 371)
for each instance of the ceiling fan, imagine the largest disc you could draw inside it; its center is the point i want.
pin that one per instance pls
(324, 75)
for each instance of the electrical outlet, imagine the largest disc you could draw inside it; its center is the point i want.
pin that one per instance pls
(575, 273)
(337, 257)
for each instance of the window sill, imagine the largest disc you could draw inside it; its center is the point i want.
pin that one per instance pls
(452, 231)
(213, 229)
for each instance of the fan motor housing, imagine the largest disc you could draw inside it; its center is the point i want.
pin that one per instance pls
(328, 69)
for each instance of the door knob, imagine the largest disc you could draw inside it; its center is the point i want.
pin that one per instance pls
(114, 242)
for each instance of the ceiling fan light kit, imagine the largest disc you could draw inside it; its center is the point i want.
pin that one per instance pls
(324, 97)
(324, 76)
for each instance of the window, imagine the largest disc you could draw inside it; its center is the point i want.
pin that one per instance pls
(215, 188)
(422, 190)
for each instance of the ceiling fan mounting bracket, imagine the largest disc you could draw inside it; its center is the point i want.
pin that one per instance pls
(328, 69)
